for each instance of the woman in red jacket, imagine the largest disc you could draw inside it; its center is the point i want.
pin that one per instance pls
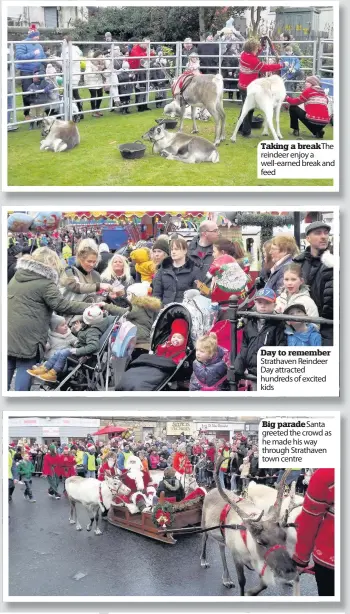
(315, 530)
(316, 115)
(250, 68)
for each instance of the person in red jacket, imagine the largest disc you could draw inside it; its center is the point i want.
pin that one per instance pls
(316, 114)
(315, 530)
(138, 53)
(108, 466)
(52, 471)
(250, 68)
(67, 465)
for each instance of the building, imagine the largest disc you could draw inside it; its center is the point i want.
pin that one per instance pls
(46, 16)
(47, 430)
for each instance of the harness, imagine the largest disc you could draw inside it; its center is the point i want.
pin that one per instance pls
(215, 386)
(182, 83)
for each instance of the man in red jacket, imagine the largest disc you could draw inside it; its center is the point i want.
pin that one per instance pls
(137, 54)
(315, 530)
(250, 68)
(316, 115)
(52, 470)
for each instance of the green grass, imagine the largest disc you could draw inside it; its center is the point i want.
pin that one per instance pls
(97, 161)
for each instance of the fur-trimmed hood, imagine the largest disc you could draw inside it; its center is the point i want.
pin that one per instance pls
(148, 302)
(327, 259)
(26, 263)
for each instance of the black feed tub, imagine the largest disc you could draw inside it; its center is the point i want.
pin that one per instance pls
(169, 124)
(132, 151)
(257, 121)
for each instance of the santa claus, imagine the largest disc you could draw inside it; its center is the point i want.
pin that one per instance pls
(135, 478)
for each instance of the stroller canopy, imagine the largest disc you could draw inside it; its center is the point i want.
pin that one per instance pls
(162, 326)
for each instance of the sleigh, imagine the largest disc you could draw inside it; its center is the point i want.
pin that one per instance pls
(158, 523)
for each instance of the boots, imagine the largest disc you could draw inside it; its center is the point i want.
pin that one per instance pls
(39, 370)
(50, 376)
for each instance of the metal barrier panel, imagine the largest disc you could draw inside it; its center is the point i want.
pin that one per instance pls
(142, 89)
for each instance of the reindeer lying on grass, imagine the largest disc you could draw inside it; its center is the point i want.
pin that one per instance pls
(180, 146)
(268, 95)
(254, 540)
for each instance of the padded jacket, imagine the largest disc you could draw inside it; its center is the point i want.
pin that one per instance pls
(169, 283)
(271, 334)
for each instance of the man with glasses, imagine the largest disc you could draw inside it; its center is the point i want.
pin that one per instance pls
(201, 247)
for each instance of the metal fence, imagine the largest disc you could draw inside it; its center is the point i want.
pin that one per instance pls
(148, 89)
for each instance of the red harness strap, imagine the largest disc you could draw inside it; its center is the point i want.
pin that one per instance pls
(272, 549)
(223, 515)
(100, 493)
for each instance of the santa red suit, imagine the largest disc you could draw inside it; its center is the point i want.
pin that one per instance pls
(67, 464)
(315, 103)
(250, 66)
(137, 480)
(105, 467)
(181, 462)
(315, 523)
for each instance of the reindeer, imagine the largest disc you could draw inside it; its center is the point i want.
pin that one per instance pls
(255, 541)
(203, 91)
(268, 95)
(181, 146)
(94, 495)
(58, 135)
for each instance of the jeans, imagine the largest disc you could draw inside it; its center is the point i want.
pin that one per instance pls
(11, 488)
(233, 482)
(28, 491)
(201, 475)
(23, 379)
(95, 104)
(58, 361)
(293, 476)
(25, 83)
(222, 478)
(90, 474)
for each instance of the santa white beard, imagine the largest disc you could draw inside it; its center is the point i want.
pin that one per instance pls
(138, 479)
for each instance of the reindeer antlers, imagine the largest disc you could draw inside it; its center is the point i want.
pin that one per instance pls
(275, 510)
(234, 506)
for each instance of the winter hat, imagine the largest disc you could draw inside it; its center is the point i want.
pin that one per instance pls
(316, 226)
(296, 306)
(12, 444)
(55, 321)
(179, 327)
(52, 448)
(181, 447)
(313, 80)
(50, 70)
(140, 255)
(267, 294)
(93, 315)
(65, 449)
(162, 244)
(108, 34)
(139, 290)
(103, 248)
(32, 34)
(90, 447)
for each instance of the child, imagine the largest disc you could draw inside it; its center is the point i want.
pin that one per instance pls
(259, 332)
(209, 368)
(291, 71)
(245, 470)
(60, 336)
(39, 90)
(144, 310)
(295, 291)
(25, 471)
(126, 88)
(89, 334)
(175, 347)
(193, 65)
(301, 333)
(144, 266)
(192, 68)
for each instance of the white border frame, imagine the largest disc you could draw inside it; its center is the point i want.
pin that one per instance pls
(187, 189)
(333, 388)
(171, 413)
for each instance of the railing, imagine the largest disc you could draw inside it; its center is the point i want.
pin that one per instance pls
(144, 88)
(234, 314)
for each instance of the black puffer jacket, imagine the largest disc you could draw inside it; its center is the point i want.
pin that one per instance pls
(317, 272)
(271, 334)
(171, 487)
(201, 256)
(170, 283)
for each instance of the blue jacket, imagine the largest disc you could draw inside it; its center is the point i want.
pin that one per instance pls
(25, 51)
(310, 337)
(210, 373)
(294, 63)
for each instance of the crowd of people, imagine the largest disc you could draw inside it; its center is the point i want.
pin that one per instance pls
(121, 70)
(57, 310)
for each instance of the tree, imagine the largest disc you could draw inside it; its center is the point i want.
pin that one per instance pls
(255, 17)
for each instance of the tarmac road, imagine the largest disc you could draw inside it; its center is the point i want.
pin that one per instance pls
(46, 553)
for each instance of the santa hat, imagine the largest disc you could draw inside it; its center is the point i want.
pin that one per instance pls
(179, 327)
(12, 444)
(90, 447)
(65, 449)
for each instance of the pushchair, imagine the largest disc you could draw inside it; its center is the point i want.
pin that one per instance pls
(150, 372)
(89, 373)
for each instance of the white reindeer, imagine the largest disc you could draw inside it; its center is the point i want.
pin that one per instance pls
(254, 540)
(94, 495)
(268, 95)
